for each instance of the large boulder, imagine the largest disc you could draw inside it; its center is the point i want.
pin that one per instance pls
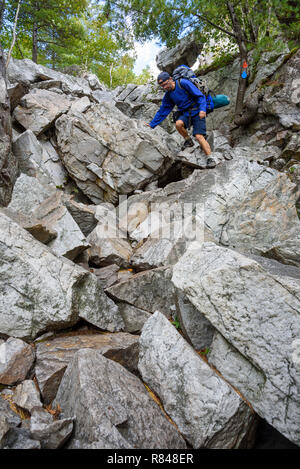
(27, 71)
(207, 411)
(54, 355)
(45, 203)
(255, 306)
(39, 109)
(185, 52)
(38, 159)
(152, 290)
(16, 361)
(112, 407)
(239, 204)
(107, 154)
(42, 291)
(105, 250)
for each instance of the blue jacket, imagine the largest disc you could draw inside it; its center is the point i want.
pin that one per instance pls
(184, 100)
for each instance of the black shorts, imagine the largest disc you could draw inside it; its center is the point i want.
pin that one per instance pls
(199, 125)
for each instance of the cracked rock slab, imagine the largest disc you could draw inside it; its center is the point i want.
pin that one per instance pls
(42, 291)
(16, 360)
(53, 356)
(255, 306)
(39, 109)
(112, 407)
(27, 396)
(45, 204)
(51, 434)
(153, 290)
(206, 410)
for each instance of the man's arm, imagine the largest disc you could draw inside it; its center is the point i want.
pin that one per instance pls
(166, 107)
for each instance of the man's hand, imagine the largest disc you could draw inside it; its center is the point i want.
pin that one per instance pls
(202, 114)
(148, 125)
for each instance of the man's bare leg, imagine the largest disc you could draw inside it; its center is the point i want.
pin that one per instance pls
(204, 144)
(181, 129)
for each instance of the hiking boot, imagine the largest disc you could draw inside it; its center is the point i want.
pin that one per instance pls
(188, 143)
(210, 163)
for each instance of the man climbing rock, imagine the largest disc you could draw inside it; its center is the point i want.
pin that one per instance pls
(191, 105)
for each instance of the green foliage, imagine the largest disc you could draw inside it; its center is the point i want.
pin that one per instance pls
(176, 323)
(219, 62)
(252, 22)
(204, 352)
(45, 26)
(72, 33)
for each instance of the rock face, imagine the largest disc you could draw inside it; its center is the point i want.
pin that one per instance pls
(51, 433)
(185, 253)
(43, 291)
(16, 360)
(241, 204)
(112, 407)
(115, 162)
(153, 289)
(45, 203)
(192, 393)
(248, 305)
(8, 167)
(26, 71)
(276, 123)
(39, 109)
(38, 159)
(27, 396)
(185, 52)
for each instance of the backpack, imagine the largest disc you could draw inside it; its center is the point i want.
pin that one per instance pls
(212, 101)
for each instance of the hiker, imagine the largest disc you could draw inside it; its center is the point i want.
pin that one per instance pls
(191, 105)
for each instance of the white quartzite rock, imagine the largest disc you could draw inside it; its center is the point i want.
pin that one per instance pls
(127, 155)
(39, 109)
(38, 159)
(112, 407)
(27, 70)
(105, 250)
(256, 309)
(27, 396)
(42, 291)
(51, 433)
(207, 411)
(45, 203)
(16, 357)
(246, 205)
(152, 290)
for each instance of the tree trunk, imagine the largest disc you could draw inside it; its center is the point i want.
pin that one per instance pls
(8, 167)
(241, 40)
(242, 86)
(2, 9)
(34, 43)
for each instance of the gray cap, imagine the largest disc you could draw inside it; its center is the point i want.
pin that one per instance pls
(163, 76)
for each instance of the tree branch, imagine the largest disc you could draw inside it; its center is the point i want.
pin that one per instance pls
(14, 35)
(204, 18)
